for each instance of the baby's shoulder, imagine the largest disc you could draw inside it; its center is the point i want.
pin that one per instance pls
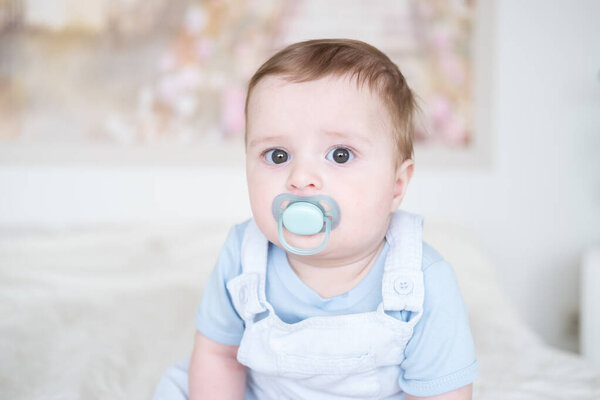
(438, 274)
(435, 267)
(229, 263)
(236, 233)
(429, 257)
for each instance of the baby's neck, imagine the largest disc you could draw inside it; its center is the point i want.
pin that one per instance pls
(333, 279)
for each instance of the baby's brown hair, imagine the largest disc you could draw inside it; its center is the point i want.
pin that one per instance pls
(315, 59)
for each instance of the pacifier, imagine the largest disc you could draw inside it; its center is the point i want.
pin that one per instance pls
(305, 216)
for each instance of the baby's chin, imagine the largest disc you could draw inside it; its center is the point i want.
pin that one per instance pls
(302, 241)
(334, 253)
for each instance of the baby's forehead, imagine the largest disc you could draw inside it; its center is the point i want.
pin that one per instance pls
(277, 91)
(328, 105)
(278, 82)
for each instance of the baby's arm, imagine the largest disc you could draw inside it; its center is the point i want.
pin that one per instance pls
(215, 372)
(463, 393)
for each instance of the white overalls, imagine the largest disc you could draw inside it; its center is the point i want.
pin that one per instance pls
(339, 357)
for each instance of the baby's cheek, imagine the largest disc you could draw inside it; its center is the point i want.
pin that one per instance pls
(350, 229)
(263, 215)
(371, 214)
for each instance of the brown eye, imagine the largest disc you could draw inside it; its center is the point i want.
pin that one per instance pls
(276, 156)
(340, 155)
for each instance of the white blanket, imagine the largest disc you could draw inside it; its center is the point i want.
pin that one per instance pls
(100, 313)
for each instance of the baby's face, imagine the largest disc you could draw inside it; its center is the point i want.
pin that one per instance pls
(323, 137)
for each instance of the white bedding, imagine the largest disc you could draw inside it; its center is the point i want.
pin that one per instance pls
(100, 313)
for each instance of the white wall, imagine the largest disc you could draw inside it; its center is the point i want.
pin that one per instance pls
(539, 206)
(534, 210)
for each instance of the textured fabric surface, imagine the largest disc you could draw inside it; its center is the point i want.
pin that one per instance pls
(100, 313)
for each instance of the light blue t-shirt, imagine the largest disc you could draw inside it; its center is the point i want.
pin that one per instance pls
(440, 356)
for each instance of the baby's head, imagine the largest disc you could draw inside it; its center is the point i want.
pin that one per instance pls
(330, 117)
(363, 63)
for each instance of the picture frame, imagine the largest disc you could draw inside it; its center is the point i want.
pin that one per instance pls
(219, 149)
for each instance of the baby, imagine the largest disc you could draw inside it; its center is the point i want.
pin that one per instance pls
(328, 292)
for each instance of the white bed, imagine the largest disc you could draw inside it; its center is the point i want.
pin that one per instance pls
(99, 313)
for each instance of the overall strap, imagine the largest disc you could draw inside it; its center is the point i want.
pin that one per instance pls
(248, 289)
(402, 286)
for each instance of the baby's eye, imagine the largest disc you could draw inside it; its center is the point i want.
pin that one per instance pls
(276, 156)
(340, 155)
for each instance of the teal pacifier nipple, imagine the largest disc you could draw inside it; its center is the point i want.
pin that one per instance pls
(305, 216)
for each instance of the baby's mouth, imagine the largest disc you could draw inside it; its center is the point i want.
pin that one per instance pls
(305, 217)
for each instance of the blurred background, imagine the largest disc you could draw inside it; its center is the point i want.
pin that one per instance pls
(116, 112)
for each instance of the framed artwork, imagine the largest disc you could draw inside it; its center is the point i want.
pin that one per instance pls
(163, 82)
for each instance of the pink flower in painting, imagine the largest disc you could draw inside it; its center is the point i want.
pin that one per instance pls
(232, 115)
(441, 110)
(190, 77)
(204, 48)
(442, 41)
(452, 68)
(448, 126)
(454, 132)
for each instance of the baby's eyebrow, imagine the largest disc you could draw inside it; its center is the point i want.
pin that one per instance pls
(338, 134)
(348, 135)
(266, 139)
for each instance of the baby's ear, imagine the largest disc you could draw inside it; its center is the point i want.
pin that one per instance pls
(404, 173)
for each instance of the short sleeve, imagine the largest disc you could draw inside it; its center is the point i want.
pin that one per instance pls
(216, 317)
(440, 356)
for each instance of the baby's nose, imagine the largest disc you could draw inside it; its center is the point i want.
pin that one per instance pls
(304, 177)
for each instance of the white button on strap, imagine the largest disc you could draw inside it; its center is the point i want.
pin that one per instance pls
(403, 286)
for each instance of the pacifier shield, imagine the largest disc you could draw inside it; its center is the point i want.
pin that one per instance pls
(327, 205)
(305, 216)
